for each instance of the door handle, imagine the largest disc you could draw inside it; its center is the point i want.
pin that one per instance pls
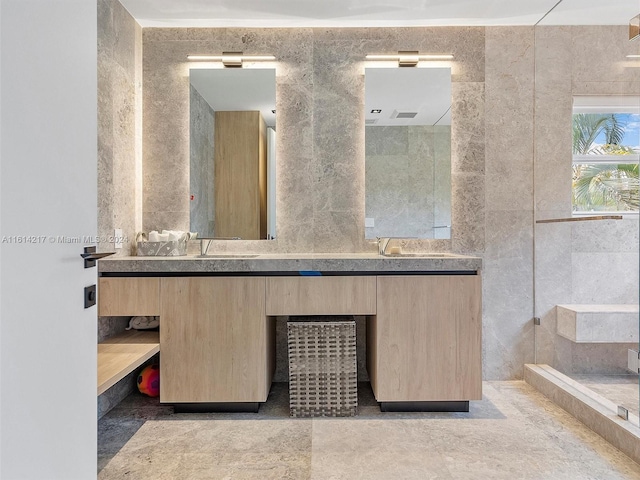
(90, 256)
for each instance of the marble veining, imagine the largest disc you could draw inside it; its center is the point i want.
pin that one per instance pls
(598, 323)
(320, 100)
(119, 88)
(366, 262)
(585, 262)
(508, 236)
(408, 180)
(320, 202)
(201, 167)
(586, 405)
(513, 432)
(620, 389)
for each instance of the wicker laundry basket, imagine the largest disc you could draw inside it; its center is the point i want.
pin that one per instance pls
(322, 369)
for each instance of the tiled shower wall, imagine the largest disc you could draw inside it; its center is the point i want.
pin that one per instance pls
(507, 261)
(408, 180)
(201, 164)
(587, 262)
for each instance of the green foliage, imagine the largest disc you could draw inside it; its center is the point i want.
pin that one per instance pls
(587, 127)
(602, 186)
(605, 187)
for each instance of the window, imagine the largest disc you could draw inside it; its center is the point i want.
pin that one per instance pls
(606, 150)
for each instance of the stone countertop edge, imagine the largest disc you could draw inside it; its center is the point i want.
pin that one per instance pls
(290, 263)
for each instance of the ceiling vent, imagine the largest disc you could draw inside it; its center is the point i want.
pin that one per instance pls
(397, 114)
(371, 122)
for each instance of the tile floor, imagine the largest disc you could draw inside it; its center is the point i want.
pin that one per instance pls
(513, 433)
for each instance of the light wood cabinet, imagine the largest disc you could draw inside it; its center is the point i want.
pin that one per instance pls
(120, 355)
(217, 334)
(240, 175)
(217, 344)
(319, 295)
(129, 296)
(425, 344)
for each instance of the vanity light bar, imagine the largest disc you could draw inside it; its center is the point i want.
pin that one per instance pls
(633, 56)
(409, 59)
(232, 59)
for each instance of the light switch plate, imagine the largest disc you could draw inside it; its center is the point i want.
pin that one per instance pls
(90, 296)
(118, 240)
(369, 222)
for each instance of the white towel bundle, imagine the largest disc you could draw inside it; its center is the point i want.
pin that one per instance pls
(174, 235)
(168, 236)
(169, 243)
(143, 323)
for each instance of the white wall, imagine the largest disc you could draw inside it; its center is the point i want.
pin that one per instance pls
(0, 249)
(48, 189)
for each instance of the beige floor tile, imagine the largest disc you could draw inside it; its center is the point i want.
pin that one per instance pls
(513, 433)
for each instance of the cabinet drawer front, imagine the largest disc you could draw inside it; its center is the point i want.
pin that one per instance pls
(128, 297)
(216, 343)
(427, 338)
(321, 295)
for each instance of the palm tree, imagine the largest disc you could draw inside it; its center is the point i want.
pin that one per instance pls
(612, 186)
(588, 126)
(602, 186)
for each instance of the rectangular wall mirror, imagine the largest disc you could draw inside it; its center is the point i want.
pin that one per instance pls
(408, 152)
(232, 152)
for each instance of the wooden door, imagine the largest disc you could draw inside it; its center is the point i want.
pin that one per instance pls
(240, 175)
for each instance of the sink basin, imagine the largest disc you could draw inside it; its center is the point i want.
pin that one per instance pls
(229, 255)
(420, 255)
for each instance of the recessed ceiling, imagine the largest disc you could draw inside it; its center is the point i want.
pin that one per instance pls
(238, 89)
(394, 91)
(378, 13)
(593, 12)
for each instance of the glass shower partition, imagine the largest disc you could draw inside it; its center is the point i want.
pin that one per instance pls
(586, 230)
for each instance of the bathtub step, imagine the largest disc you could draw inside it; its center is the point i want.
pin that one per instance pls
(598, 323)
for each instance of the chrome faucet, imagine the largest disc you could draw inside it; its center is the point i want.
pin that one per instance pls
(383, 242)
(203, 249)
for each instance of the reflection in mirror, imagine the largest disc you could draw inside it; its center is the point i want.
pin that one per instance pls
(232, 152)
(408, 152)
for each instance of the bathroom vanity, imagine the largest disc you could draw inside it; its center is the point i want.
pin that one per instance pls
(217, 321)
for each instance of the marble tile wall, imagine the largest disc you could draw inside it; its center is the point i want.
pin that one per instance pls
(508, 257)
(320, 200)
(122, 389)
(442, 183)
(407, 180)
(119, 151)
(320, 155)
(110, 326)
(590, 262)
(201, 208)
(501, 76)
(119, 141)
(320, 162)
